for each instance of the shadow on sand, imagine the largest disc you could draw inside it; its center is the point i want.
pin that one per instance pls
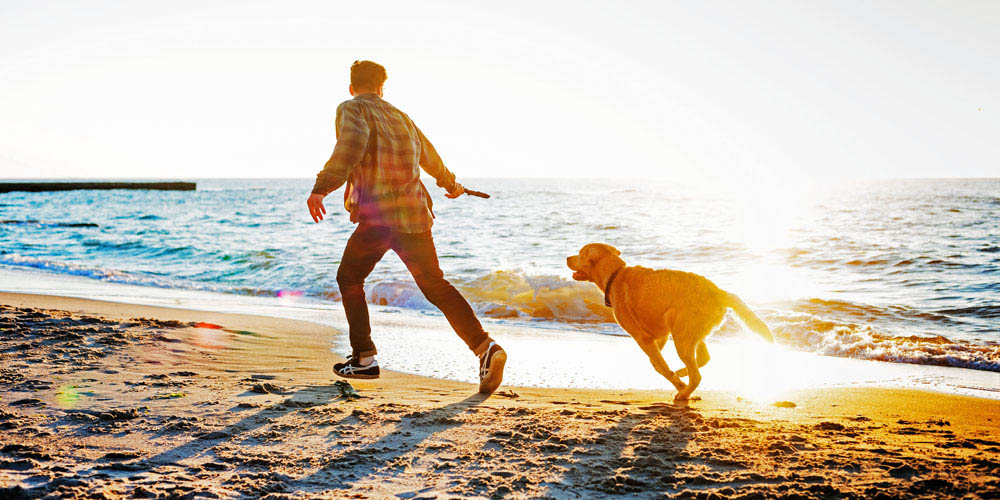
(639, 453)
(338, 467)
(388, 454)
(604, 451)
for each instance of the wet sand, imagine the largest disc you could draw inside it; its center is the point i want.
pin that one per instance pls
(107, 400)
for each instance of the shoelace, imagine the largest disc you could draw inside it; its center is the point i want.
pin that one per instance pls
(484, 369)
(349, 366)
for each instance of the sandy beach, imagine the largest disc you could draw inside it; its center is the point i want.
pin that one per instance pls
(205, 208)
(107, 400)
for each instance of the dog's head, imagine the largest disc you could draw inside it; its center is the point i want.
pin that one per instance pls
(584, 263)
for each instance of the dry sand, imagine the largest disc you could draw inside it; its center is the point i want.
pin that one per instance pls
(106, 400)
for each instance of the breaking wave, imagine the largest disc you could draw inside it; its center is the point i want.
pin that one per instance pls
(509, 294)
(832, 332)
(120, 277)
(71, 269)
(827, 327)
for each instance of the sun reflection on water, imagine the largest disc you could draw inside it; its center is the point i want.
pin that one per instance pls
(766, 373)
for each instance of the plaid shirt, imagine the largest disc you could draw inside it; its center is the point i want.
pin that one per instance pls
(377, 154)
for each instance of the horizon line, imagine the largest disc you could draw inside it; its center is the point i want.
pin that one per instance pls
(667, 178)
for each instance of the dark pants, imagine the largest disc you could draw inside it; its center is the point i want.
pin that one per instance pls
(366, 247)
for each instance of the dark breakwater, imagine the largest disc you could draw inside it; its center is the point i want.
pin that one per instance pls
(38, 187)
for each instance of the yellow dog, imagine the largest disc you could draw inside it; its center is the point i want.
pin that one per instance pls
(651, 305)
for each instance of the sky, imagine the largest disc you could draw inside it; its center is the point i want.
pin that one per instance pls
(683, 90)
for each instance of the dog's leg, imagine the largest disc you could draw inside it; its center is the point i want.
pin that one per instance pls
(687, 355)
(660, 365)
(703, 358)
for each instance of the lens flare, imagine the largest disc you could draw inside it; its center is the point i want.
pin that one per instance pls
(211, 338)
(288, 295)
(67, 396)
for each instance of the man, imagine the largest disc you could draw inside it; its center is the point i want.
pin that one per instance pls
(378, 154)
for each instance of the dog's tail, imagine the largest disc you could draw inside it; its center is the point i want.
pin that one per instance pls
(749, 318)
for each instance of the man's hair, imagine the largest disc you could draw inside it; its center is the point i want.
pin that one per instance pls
(367, 75)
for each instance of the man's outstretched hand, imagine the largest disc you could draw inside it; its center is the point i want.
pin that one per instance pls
(316, 208)
(455, 193)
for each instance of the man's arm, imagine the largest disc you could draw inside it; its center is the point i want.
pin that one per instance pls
(431, 162)
(352, 141)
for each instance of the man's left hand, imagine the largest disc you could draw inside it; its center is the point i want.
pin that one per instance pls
(316, 208)
(459, 190)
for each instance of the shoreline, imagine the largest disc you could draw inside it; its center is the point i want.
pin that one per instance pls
(321, 334)
(186, 401)
(741, 363)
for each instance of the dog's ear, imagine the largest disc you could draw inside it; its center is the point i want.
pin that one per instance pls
(611, 249)
(594, 251)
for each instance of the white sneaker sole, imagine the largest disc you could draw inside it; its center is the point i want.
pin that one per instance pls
(366, 377)
(355, 375)
(495, 375)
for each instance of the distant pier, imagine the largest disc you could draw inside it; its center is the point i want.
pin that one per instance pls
(37, 187)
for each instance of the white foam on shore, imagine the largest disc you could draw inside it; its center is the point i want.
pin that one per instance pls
(822, 326)
(423, 343)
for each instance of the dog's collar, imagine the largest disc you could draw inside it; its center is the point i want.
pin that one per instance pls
(607, 288)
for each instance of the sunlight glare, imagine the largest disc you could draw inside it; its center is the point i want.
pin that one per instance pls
(750, 368)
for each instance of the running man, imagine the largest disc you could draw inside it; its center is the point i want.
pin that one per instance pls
(379, 154)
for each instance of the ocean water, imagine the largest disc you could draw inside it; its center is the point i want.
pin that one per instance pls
(903, 271)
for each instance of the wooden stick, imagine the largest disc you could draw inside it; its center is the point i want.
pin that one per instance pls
(476, 193)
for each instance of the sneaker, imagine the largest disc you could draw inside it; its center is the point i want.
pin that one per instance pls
(491, 368)
(352, 368)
